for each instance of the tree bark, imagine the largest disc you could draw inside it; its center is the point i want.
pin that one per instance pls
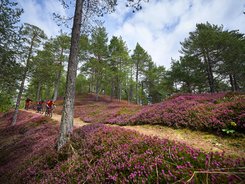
(137, 78)
(209, 72)
(57, 83)
(130, 95)
(18, 99)
(66, 125)
(232, 82)
(235, 83)
(97, 89)
(56, 86)
(210, 78)
(119, 81)
(112, 89)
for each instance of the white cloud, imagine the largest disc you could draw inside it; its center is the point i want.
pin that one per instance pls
(39, 13)
(162, 25)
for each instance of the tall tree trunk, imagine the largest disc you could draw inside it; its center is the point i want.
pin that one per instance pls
(57, 83)
(119, 82)
(209, 72)
(120, 91)
(23, 82)
(66, 125)
(210, 78)
(235, 83)
(18, 99)
(131, 92)
(130, 95)
(142, 92)
(232, 83)
(188, 87)
(117, 88)
(38, 90)
(137, 79)
(56, 86)
(112, 89)
(91, 85)
(97, 89)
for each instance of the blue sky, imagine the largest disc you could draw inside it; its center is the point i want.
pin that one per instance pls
(159, 27)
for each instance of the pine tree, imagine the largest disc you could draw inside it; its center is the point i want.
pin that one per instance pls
(203, 43)
(99, 50)
(32, 37)
(139, 57)
(118, 64)
(10, 69)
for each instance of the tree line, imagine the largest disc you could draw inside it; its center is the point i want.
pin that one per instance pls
(212, 61)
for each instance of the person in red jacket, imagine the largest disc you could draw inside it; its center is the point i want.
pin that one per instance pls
(50, 104)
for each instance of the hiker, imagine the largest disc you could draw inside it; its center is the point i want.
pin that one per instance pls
(27, 104)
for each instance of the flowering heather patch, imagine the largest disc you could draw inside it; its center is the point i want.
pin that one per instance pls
(101, 154)
(98, 112)
(30, 139)
(22, 117)
(208, 112)
(88, 110)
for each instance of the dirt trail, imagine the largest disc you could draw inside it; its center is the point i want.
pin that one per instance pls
(196, 139)
(77, 121)
(200, 140)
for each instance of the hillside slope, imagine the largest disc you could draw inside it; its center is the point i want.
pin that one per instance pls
(217, 113)
(101, 154)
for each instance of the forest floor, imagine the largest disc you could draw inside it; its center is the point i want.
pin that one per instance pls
(207, 142)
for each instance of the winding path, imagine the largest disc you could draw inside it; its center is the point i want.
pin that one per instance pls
(199, 140)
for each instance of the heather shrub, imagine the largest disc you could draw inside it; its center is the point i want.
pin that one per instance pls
(206, 112)
(100, 154)
(31, 139)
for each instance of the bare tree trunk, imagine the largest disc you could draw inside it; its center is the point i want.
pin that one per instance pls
(66, 125)
(209, 72)
(18, 99)
(112, 89)
(232, 83)
(97, 89)
(119, 83)
(235, 83)
(56, 87)
(211, 78)
(130, 95)
(120, 91)
(57, 83)
(91, 84)
(137, 79)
